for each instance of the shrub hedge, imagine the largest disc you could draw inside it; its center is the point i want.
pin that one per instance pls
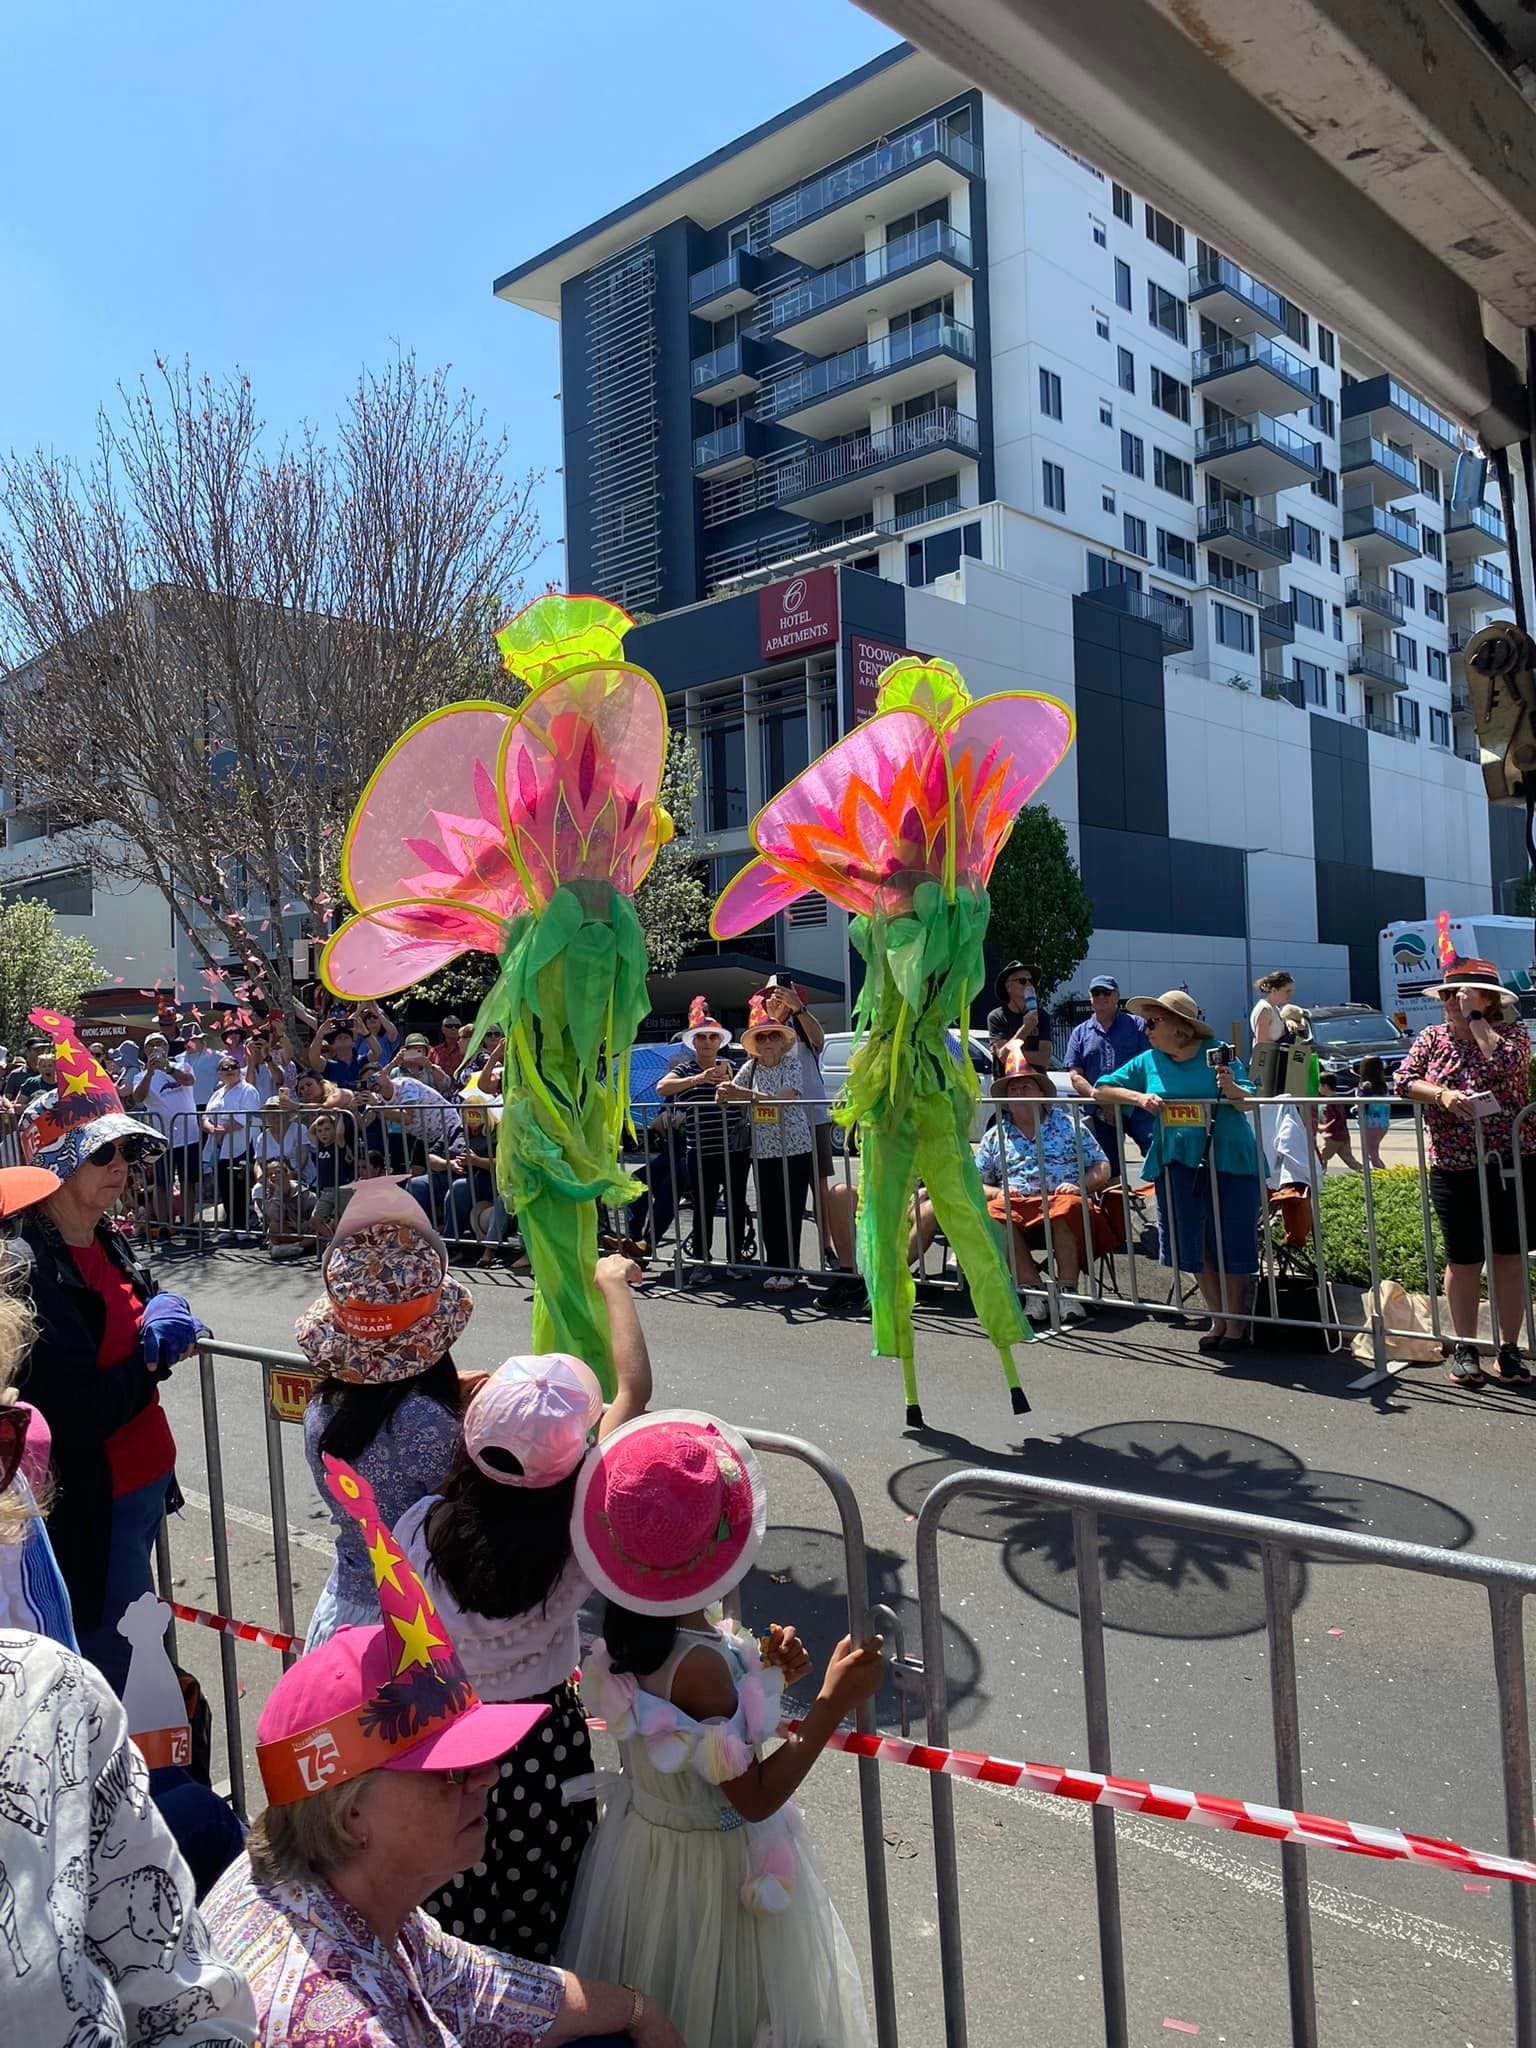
(1395, 1195)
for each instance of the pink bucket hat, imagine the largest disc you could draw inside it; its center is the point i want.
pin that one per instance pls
(532, 1421)
(670, 1512)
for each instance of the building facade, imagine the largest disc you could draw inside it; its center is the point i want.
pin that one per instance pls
(901, 348)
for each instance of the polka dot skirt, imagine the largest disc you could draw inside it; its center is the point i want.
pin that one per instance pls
(518, 1897)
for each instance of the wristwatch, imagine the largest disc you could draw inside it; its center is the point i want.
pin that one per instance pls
(1477, 1016)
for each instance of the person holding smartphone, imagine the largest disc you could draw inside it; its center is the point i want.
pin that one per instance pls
(1471, 1072)
(1020, 1017)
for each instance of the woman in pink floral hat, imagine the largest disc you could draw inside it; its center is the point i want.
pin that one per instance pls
(701, 1876)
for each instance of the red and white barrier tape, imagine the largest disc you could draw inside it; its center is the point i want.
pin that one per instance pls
(1125, 1795)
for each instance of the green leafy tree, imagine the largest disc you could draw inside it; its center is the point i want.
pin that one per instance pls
(1040, 910)
(40, 968)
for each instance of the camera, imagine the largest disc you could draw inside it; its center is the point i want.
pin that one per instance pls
(1218, 1056)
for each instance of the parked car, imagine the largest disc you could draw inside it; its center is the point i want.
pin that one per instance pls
(839, 1047)
(1346, 1032)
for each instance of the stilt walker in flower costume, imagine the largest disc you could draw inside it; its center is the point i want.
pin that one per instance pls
(525, 833)
(900, 822)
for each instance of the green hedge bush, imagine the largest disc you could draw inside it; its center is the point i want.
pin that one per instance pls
(1395, 1195)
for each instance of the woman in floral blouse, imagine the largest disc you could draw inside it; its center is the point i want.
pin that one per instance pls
(772, 1079)
(1474, 1070)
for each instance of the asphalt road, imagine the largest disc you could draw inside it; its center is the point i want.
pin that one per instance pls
(1397, 1702)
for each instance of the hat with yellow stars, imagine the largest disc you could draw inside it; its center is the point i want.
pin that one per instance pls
(390, 1698)
(82, 1113)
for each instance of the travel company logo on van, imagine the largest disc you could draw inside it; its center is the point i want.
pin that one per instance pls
(1409, 953)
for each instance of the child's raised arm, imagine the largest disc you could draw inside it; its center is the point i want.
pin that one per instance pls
(617, 1278)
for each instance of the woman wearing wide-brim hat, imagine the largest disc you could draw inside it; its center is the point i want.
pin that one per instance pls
(1471, 1072)
(391, 1401)
(1203, 1156)
(772, 1079)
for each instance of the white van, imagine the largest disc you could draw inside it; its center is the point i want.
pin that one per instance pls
(1410, 961)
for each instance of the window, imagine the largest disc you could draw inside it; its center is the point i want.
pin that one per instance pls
(1099, 235)
(1321, 415)
(1407, 651)
(1325, 485)
(938, 554)
(1429, 541)
(1133, 454)
(1169, 395)
(1106, 413)
(1408, 715)
(1107, 499)
(1434, 604)
(1135, 535)
(928, 501)
(1308, 608)
(1306, 541)
(1429, 481)
(1101, 324)
(1053, 486)
(1122, 284)
(1333, 556)
(725, 776)
(1127, 370)
(1123, 204)
(1439, 727)
(1338, 623)
(1402, 588)
(1313, 678)
(1169, 473)
(1175, 554)
(1233, 628)
(1434, 664)
(1103, 574)
(1340, 694)
(69, 892)
(1325, 344)
(1165, 232)
(1050, 394)
(1167, 312)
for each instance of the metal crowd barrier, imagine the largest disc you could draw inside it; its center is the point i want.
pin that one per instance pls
(1281, 1545)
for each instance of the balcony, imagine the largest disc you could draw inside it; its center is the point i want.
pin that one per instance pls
(832, 309)
(1473, 586)
(1383, 406)
(729, 372)
(1238, 531)
(1285, 689)
(1247, 376)
(1257, 455)
(1473, 530)
(729, 286)
(826, 213)
(1457, 639)
(802, 547)
(1468, 750)
(1380, 666)
(728, 451)
(1175, 621)
(1380, 537)
(1385, 473)
(1461, 702)
(839, 480)
(833, 397)
(1362, 595)
(1277, 620)
(1387, 727)
(1245, 587)
(1232, 298)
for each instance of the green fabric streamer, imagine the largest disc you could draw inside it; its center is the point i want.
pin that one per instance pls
(912, 1102)
(570, 996)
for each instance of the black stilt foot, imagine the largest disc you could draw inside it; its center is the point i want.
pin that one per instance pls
(914, 1415)
(1019, 1400)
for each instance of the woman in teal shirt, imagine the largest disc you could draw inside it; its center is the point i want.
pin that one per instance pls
(1200, 1158)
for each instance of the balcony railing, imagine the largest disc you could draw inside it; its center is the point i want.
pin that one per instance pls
(1238, 522)
(846, 280)
(1246, 587)
(1362, 595)
(738, 358)
(921, 516)
(870, 359)
(1373, 662)
(1467, 753)
(1360, 521)
(941, 428)
(1220, 273)
(837, 188)
(1374, 722)
(1461, 700)
(1175, 621)
(1230, 437)
(1277, 619)
(1366, 452)
(721, 445)
(1285, 688)
(1372, 393)
(1478, 576)
(793, 545)
(734, 273)
(1483, 517)
(1458, 638)
(1227, 357)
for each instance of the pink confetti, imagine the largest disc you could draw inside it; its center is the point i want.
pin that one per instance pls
(1477, 1887)
(1335, 1631)
(1181, 2026)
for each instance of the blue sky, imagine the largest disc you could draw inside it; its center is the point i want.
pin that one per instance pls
(293, 189)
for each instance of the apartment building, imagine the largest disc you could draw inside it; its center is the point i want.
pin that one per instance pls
(899, 363)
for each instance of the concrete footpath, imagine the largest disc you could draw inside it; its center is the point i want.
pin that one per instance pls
(1397, 1702)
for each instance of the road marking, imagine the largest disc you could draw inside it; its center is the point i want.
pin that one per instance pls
(1262, 1880)
(247, 1518)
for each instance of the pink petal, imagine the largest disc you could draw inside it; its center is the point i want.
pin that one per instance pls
(759, 892)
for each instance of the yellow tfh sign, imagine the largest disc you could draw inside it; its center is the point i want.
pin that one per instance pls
(288, 1390)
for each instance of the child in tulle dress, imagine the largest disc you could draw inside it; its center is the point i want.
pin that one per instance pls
(701, 1883)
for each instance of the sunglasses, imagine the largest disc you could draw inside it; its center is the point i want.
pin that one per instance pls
(14, 1423)
(129, 1150)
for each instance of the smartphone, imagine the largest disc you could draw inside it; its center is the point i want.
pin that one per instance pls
(1031, 1004)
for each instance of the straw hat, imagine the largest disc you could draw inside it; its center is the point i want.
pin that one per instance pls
(760, 1025)
(1178, 1002)
(699, 1019)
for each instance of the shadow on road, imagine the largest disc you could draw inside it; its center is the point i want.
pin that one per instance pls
(1161, 1581)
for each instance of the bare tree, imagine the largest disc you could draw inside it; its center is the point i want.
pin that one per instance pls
(210, 639)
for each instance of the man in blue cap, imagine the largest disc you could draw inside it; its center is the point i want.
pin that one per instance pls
(1098, 1045)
